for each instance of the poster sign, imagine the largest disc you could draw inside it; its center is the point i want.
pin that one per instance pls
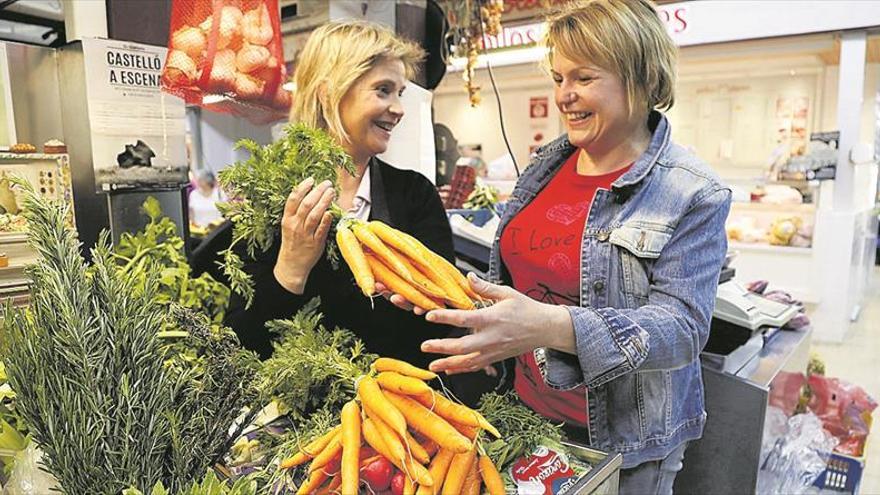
(138, 132)
(539, 107)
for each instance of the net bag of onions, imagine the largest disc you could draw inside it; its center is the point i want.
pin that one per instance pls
(226, 55)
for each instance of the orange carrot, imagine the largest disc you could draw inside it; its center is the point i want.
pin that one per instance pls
(366, 461)
(333, 486)
(438, 468)
(429, 424)
(472, 481)
(381, 251)
(491, 476)
(409, 487)
(351, 251)
(311, 450)
(464, 293)
(421, 281)
(470, 432)
(418, 452)
(457, 276)
(392, 440)
(431, 448)
(453, 411)
(402, 367)
(372, 397)
(458, 471)
(310, 485)
(398, 285)
(374, 438)
(327, 455)
(398, 240)
(399, 384)
(351, 446)
(436, 268)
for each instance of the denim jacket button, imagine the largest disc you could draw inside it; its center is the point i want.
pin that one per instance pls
(598, 285)
(603, 236)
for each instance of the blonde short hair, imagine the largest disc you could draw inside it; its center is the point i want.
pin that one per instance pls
(625, 37)
(334, 57)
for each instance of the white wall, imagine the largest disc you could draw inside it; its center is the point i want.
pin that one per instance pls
(829, 117)
(220, 131)
(480, 125)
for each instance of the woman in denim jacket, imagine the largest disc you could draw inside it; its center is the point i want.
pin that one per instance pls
(612, 241)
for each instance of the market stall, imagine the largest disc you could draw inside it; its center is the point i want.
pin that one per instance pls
(771, 108)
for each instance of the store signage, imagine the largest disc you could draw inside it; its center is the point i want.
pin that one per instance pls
(137, 132)
(695, 23)
(674, 18)
(539, 107)
(522, 35)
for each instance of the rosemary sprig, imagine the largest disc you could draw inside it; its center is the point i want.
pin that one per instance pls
(261, 185)
(90, 371)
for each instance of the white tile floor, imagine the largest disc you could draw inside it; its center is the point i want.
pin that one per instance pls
(857, 360)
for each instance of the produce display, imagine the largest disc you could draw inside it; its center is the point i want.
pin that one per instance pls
(402, 434)
(230, 48)
(104, 395)
(159, 248)
(377, 252)
(483, 196)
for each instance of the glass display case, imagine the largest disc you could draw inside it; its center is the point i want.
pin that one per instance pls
(50, 177)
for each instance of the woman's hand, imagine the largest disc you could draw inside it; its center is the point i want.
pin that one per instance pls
(514, 325)
(304, 229)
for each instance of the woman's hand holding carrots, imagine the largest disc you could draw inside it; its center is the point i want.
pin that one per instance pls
(304, 228)
(513, 325)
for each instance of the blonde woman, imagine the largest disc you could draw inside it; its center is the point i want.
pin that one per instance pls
(609, 252)
(349, 80)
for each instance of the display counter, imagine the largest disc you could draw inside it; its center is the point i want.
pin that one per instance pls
(726, 459)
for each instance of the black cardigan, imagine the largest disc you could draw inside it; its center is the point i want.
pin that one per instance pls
(403, 199)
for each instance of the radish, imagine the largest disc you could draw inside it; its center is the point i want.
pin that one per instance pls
(378, 474)
(397, 483)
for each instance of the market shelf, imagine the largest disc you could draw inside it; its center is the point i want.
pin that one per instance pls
(788, 208)
(769, 248)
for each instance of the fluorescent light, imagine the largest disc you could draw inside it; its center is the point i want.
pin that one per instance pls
(532, 54)
(289, 86)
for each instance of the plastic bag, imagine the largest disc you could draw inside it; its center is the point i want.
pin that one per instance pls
(27, 478)
(227, 56)
(845, 410)
(793, 454)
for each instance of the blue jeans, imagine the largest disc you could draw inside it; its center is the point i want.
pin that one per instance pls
(653, 477)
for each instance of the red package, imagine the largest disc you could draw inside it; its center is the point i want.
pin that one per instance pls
(463, 182)
(227, 56)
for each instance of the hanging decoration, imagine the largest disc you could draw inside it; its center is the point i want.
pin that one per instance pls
(469, 21)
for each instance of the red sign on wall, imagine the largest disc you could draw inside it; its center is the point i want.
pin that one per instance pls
(538, 107)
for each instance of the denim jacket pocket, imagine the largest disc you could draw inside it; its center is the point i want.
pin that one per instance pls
(639, 245)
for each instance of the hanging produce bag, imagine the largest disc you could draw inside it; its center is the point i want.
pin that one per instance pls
(226, 56)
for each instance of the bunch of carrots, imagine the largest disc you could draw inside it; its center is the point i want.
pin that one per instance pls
(377, 252)
(432, 440)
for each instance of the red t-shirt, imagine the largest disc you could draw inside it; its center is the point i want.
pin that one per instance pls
(541, 248)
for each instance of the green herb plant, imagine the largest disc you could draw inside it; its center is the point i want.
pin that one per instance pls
(522, 430)
(158, 246)
(261, 185)
(95, 382)
(312, 366)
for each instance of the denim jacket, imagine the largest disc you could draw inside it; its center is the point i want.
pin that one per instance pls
(651, 255)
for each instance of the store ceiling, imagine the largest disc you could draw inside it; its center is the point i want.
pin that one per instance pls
(37, 22)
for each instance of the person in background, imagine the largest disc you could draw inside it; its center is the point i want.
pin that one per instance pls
(349, 80)
(203, 199)
(609, 253)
